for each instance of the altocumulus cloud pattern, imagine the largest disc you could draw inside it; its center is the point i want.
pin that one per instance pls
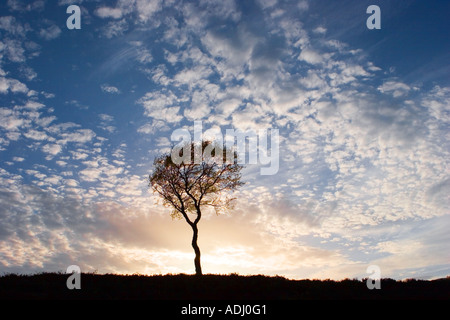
(363, 118)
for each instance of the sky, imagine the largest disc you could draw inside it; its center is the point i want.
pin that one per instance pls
(363, 117)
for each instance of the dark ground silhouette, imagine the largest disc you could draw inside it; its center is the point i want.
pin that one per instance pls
(213, 287)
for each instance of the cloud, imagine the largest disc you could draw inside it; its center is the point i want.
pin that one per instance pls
(27, 121)
(146, 9)
(106, 117)
(144, 56)
(28, 73)
(52, 149)
(105, 122)
(33, 105)
(161, 106)
(320, 30)
(107, 12)
(48, 95)
(36, 135)
(19, 5)
(24, 121)
(395, 88)
(153, 127)
(131, 186)
(143, 9)
(147, 129)
(90, 174)
(11, 120)
(313, 80)
(311, 56)
(14, 50)
(13, 27)
(227, 106)
(50, 33)
(115, 28)
(77, 104)
(12, 85)
(109, 89)
(78, 136)
(79, 155)
(15, 5)
(303, 5)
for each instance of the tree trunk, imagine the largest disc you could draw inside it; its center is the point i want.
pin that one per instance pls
(198, 267)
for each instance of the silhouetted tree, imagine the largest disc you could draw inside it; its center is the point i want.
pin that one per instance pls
(193, 177)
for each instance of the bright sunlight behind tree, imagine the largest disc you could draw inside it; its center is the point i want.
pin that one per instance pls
(205, 179)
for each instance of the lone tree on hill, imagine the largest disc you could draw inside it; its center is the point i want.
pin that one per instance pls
(195, 176)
